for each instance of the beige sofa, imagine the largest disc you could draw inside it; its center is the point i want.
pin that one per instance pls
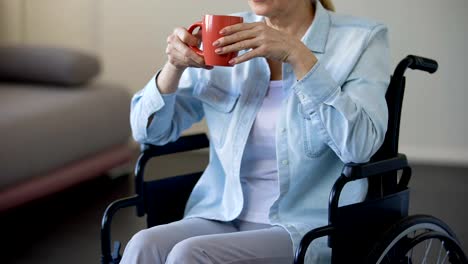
(58, 127)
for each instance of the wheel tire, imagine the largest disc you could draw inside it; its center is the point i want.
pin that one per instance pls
(396, 241)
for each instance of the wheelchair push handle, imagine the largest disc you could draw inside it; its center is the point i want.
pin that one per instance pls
(423, 64)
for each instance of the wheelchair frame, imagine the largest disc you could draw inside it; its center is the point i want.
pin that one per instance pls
(386, 203)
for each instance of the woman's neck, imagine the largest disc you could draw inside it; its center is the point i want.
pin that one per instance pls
(296, 20)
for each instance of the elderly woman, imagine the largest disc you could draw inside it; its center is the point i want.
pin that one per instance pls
(306, 95)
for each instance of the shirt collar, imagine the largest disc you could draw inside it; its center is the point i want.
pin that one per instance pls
(316, 36)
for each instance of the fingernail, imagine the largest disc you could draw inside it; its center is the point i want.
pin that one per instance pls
(218, 50)
(232, 62)
(222, 31)
(216, 43)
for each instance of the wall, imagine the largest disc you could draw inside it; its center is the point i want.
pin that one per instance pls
(10, 21)
(130, 37)
(134, 33)
(434, 124)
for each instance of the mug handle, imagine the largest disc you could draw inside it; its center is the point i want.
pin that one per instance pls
(190, 30)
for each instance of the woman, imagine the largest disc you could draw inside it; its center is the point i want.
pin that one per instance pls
(306, 95)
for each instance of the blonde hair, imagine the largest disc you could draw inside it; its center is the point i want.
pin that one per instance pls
(328, 4)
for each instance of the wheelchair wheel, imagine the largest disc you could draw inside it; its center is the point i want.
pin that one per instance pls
(418, 239)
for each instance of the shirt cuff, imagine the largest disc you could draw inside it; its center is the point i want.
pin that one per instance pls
(315, 88)
(154, 100)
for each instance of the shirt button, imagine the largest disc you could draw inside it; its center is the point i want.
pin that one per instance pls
(283, 130)
(303, 96)
(285, 162)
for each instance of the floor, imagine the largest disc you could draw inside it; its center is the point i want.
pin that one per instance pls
(65, 228)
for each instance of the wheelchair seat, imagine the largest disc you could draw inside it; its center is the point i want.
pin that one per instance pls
(377, 230)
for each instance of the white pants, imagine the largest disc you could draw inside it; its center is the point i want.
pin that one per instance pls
(201, 241)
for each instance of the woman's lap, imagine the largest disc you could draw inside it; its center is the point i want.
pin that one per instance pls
(197, 240)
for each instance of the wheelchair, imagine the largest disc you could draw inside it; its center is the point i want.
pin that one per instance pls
(377, 230)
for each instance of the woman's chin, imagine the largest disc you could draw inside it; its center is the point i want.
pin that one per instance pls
(259, 7)
(260, 11)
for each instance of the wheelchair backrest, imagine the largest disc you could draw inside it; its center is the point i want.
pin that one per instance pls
(394, 97)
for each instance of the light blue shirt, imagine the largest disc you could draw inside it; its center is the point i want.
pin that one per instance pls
(334, 115)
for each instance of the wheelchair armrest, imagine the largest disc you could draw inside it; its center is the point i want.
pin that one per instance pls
(106, 255)
(310, 236)
(355, 171)
(183, 144)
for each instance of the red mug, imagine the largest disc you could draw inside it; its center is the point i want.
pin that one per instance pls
(210, 27)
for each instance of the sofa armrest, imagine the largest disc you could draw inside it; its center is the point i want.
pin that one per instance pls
(50, 65)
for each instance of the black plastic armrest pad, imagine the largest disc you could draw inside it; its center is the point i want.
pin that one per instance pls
(185, 143)
(366, 170)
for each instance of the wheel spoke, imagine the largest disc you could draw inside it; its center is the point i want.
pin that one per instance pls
(440, 251)
(389, 260)
(445, 257)
(427, 251)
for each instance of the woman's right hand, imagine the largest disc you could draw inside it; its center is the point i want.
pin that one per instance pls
(179, 53)
(180, 56)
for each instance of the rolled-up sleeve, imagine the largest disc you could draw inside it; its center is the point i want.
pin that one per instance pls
(169, 114)
(352, 118)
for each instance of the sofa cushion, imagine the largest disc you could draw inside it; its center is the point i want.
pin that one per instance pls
(49, 65)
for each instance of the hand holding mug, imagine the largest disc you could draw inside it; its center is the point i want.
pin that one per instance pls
(210, 26)
(264, 41)
(179, 53)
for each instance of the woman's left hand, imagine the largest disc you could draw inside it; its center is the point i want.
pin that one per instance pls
(264, 41)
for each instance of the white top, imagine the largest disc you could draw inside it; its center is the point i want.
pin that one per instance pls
(259, 174)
